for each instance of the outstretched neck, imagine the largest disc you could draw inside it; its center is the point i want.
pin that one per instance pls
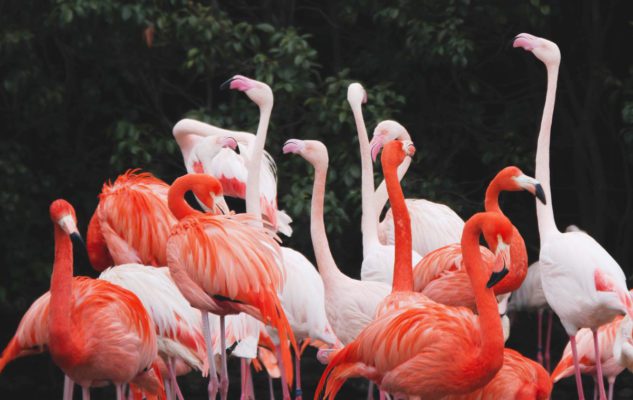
(369, 222)
(327, 266)
(176, 200)
(403, 268)
(490, 324)
(381, 196)
(63, 340)
(491, 202)
(545, 212)
(253, 205)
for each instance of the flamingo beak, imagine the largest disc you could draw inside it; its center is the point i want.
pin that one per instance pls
(540, 193)
(503, 251)
(375, 145)
(533, 186)
(227, 84)
(220, 205)
(68, 225)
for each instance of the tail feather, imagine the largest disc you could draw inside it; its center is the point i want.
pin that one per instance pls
(10, 353)
(340, 368)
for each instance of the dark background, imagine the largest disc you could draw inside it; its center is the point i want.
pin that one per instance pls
(85, 94)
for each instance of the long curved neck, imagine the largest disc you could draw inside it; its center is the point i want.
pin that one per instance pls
(403, 268)
(327, 266)
(545, 212)
(253, 205)
(369, 222)
(491, 202)
(188, 131)
(489, 320)
(381, 196)
(176, 199)
(62, 336)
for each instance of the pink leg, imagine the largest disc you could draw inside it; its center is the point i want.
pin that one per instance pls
(574, 351)
(69, 387)
(298, 392)
(213, 376)
(548, 340)
(85, 393)
(539, 345)
(270, 387)
(242, 379)
(168, 391)
(595, 388)
(224, 375)
(119, 392)
(282, 369)
(249, 381)
(382, 395)
(611, 381)
(596, 347)
(370, 391)
(171, 367)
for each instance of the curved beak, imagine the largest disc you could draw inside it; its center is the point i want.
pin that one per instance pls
(228, 142)
(503, 252)
(375, 145)
(220, 205)
(540, 193)
(227, 84)
(533, 186)
(68, 225)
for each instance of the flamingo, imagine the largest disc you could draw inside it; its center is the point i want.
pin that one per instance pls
(232, 168)
(378, 258)
(433, 350)
(224, 265)
(98, 332)
(441, 274)
(616, 351)
(582, 283)
(433, 225)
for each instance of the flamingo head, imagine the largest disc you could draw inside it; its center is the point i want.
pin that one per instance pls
(513, 179)
(356, 94)
(259, 92)
(497, 231)
(312, 150)
(545, 50)
(395, 152)
(63, 214)
(385, 132)
(207, 189)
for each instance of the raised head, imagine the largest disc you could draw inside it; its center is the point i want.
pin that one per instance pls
(385, 132)
(543, 49)
(395, 152)
(63, 214)
(259, 92)
(512, 179)
(312, 151)
(356, 94)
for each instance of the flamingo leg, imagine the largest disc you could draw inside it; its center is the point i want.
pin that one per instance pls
(539, 345)
(596, 347)
(574, 351)
(119, 392)
(611, 381)
(249, 380)
(224, 375)
(548, 340)
(69, 387)
(85, 393)
(298, 391)
(213, 376)
(595, 388)
(243, 380)
(370, 391)
(270, 387)
(168, 392)
(171, 368)
(282, 369)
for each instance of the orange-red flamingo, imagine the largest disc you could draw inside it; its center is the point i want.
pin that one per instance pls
(434, 350)
(441, 275)
(101, 333)
(582, 283)
(225, 265)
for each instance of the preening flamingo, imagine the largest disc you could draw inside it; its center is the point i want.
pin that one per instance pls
(433, 225)
(441, 274)
(378, 258)
(225, 265)
(350, 304)
(99, 335)
(583, 284)
(435, 350)
(616, 351)
(232, 168)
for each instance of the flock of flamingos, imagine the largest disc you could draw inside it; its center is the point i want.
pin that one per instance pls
(426, 321)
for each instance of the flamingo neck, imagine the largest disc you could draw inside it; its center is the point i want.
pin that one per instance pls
(327, 266)
(490, 324)
(253, 205)
(381, 196)
(98, 252)
(403, 268)
(369, 222)
(491, 202)
(63, 341)
(545, 212)
(176, 198)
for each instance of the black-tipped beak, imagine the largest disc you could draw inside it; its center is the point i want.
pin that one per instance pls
(539, 193)
(77, 237)
(496, 277)
(227, 84)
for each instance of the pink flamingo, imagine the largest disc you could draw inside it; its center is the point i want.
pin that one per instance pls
(99, 335)
(378, 258)
(433, 225)
(232, 168)
(441, 274)
(431, 351)
(224, 265)
(583, 284)
(350, 304)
